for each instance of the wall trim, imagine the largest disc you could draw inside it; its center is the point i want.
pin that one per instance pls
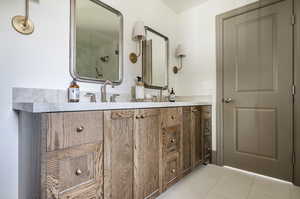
(296, 135)
(214, 157)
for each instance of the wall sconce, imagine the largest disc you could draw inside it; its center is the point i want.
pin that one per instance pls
(22, 24)
(180, 53)
(139, 35)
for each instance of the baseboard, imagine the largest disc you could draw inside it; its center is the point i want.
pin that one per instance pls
(214, 157)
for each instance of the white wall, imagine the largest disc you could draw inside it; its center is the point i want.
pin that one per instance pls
(41, 61)
(197, 34)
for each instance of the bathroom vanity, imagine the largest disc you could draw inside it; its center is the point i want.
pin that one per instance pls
(111, 151)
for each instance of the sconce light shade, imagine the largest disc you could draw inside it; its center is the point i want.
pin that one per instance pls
(180, 51)
(139, 31)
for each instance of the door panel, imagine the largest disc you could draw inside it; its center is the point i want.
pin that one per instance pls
(256, 132)
(258, 71)
(197, 137)
(187, 146)
(146, 153)
(256, 52)
(118, 154)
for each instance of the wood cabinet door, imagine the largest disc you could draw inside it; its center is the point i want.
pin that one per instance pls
(171, 170)
(74, 173)
(171, 116)
(118, 154)
(171, 140)
(197, 137)
(186, 140)
(206, 131)
(69, 129)
(146, 153)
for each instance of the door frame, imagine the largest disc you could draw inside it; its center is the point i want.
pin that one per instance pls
(220, 66)
(296, 97)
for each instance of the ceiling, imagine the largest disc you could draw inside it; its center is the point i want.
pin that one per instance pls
(182, 5)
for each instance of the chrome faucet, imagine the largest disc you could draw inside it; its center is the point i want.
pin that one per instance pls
(92, 97)
(104, 90)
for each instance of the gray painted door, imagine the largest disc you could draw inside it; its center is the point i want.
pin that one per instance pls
(258, 71)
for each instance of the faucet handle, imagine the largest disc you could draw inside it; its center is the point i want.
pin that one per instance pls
(92, 97)
(113, 97)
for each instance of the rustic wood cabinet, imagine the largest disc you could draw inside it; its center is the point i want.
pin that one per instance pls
(206, 132)
(117, 154)
(197, 137)
(146, 153)
(187, 141)
(76, 172)
(62, 155)
(171, 125)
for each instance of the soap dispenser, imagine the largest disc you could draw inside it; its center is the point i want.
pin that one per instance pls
(139, 89)
(73, 92)
(172, 96)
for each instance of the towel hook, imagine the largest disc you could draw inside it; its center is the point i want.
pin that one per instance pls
(23, 24)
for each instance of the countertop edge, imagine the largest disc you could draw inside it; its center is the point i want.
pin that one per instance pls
(77, 107)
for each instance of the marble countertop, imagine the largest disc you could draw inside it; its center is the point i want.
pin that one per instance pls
(35, 107)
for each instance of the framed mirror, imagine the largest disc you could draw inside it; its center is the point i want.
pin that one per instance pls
(96, 42)
(155, 60)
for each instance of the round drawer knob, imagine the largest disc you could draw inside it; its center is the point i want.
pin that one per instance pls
(80, 129)
(78, 172)
(142, 116)
(137, 117)
(173, 170)
(173, 117)
(173, 140)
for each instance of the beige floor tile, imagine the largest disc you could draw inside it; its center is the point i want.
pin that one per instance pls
(260, 195)
(214, 182)
(273, 189)
(215, 196)
(179, 194)
(195, 185)
(213, 173)
(295, 192)
(234, 185)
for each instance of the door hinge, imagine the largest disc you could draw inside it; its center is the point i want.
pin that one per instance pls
(293, 90)
(293, 19)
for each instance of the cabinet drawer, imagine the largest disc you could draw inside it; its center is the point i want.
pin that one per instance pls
(171, 170)
(171, 139)
(90, 192)
(73, 171)
(72, 129)
(171, 116)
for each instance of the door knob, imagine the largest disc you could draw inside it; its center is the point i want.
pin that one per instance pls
(78, 172)
(80, 129)
(228, 100)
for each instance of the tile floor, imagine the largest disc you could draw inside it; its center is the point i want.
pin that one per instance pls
(213, 182)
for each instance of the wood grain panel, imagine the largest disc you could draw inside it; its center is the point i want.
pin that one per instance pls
(72, 129)
(171, 139)
(171, 116)
(197, 137)
(63, 179)
(171, 170)
(118, 160)
(146, 153)
(206, 131)
(186, 139)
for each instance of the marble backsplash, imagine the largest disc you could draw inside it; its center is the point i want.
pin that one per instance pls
(60, 96)
(54, 96)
